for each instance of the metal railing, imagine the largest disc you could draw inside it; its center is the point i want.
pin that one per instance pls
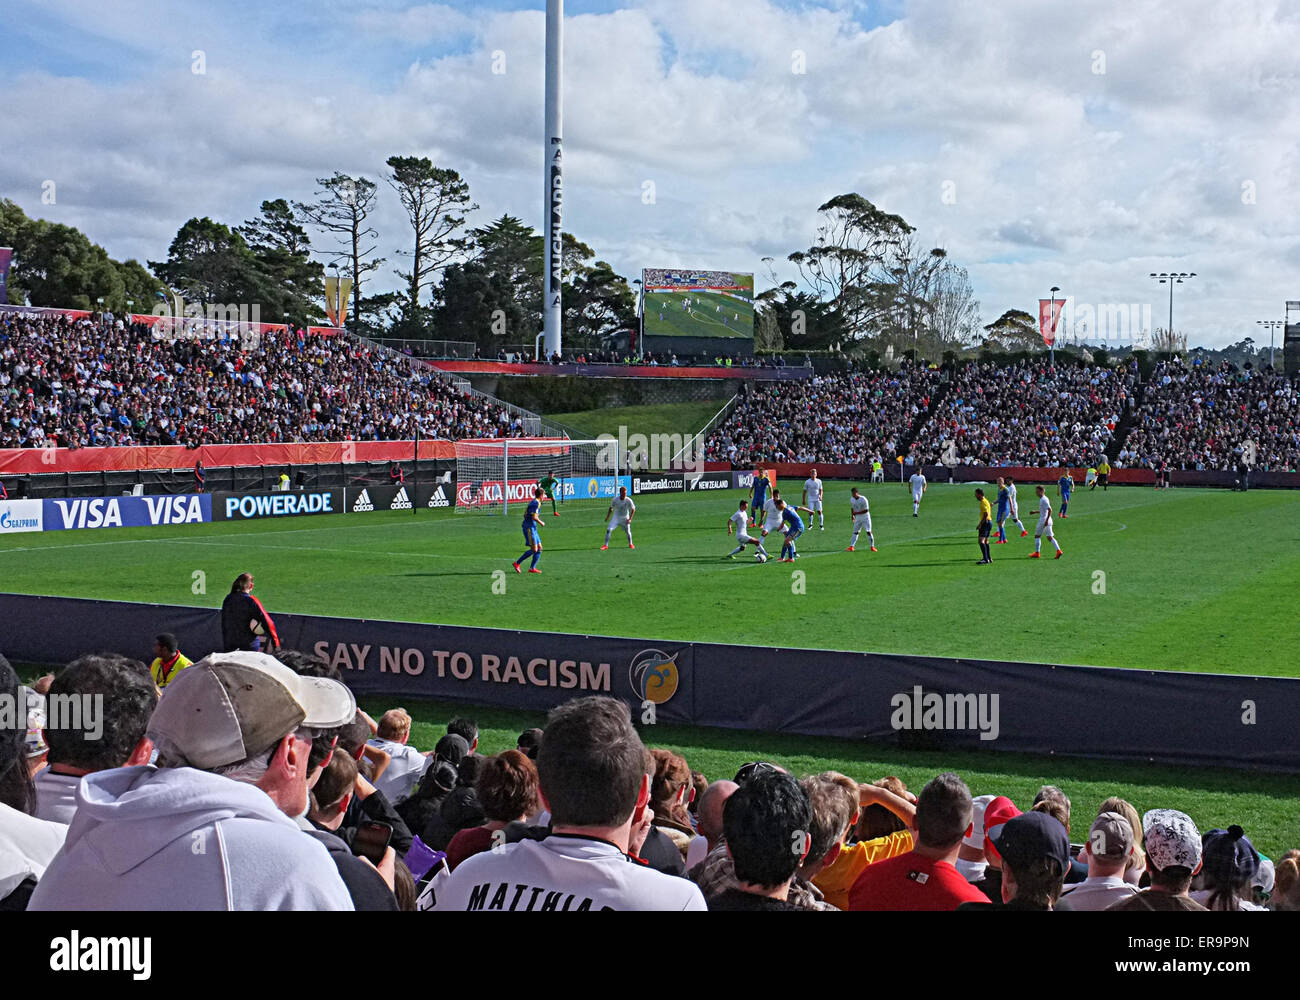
(698, 440)
(533, 424)
(461, 350)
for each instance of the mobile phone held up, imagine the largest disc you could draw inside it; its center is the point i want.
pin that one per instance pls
(371, 840)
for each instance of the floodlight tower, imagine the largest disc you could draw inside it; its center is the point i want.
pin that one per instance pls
(553, 193)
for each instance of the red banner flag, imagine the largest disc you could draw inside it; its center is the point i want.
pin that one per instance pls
(1049, 316)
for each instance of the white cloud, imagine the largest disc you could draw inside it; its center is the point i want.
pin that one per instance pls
(1062, 175)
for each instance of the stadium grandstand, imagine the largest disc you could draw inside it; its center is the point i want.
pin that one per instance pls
(97, 381)
(102, 382)
(1023, 414)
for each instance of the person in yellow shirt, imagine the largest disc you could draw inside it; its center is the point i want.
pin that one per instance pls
(168, 660)
(985, 527)
(1103, 476)
(837, 877)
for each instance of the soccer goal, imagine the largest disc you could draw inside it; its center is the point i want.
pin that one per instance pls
(495, 474)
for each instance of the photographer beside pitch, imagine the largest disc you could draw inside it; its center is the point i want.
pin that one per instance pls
(244, 622)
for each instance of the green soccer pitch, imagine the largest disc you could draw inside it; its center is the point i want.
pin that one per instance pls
(1181, 579)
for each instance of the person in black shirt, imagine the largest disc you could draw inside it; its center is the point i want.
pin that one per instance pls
(244, 622)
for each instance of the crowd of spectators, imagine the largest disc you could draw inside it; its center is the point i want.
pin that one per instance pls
(286, 796)
(102, 382)
(1205, 417)
(1026, 414)
(846, 417)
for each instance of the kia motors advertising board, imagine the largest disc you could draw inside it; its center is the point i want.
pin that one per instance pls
(490, 493)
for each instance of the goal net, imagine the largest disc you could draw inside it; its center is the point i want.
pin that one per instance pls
(494, 475)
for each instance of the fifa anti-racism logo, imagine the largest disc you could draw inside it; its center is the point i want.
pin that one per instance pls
(654, 676)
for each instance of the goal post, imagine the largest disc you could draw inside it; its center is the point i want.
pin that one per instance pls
(495, 474)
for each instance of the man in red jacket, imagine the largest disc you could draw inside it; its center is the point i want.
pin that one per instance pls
(925, 878)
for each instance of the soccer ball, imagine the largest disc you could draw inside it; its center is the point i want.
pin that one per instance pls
(760, 557)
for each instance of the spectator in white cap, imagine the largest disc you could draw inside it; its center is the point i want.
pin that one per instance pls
(1173, 847)
(971, 861)
(1109, 847)
(211, 827)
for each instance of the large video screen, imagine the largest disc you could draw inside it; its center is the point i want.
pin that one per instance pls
(684, 302)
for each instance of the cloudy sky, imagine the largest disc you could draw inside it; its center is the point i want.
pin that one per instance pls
(1082, 145)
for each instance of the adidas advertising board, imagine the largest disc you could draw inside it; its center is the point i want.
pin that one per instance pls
(367, 499)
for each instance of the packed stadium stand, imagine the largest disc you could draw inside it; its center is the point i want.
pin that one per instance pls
(840, 418)
(1027, 414)
(1022, 414)
(82, 383)
(85, 382)
(1200, 418)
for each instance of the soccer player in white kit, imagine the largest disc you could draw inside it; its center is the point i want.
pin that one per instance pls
(771, 514)
(1044, 525)
(1015, 508)
(860, 512)
(812, 497)
(739, 521)
(621, 510)
(918, 491)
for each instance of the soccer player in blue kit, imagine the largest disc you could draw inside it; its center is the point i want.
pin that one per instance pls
(1065, 486)
(531, 536)
(1004, 509)
(758, 494)
(794, 527)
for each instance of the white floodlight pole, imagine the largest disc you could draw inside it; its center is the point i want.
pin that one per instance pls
(553, 196)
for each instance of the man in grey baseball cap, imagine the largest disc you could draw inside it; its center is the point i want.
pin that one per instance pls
(1110, 845)
(210, 827)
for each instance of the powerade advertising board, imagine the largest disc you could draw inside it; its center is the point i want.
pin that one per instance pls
(247, 506)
